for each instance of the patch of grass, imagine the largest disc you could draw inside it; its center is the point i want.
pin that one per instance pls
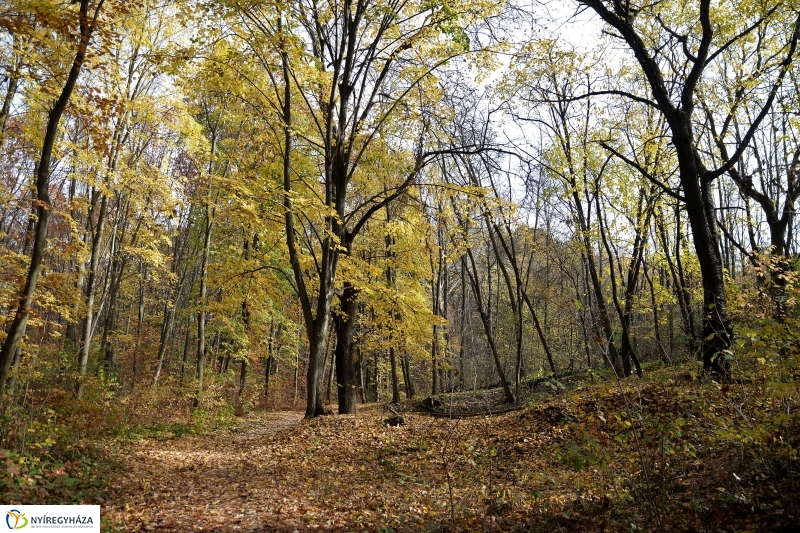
(72, 475)
(166, 430)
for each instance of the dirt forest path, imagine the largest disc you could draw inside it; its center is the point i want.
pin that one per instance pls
(200, 482)
(276, 473)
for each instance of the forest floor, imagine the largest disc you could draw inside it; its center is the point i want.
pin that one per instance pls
(667, 453)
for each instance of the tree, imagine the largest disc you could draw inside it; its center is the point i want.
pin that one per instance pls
(351, 67)
(674, 46)
(78, 29)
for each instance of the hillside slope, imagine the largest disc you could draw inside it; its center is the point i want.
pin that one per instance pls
(661, 453)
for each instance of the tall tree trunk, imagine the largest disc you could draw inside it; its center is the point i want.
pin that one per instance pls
(362, 386)
(316, 324)
(535, 316)
(88, 329)
(209, 212)
(376, 382)
(170, 308)
(166, 332)
(676, 102)
(270, 355)
(17, 329)
(675, 266)
(296, 375)
(434, 360)
(627, 353)
(140, 321)
(201, 312)
(462, 327)
(486, 319)
(436, 288)
(186, 345)
(73, 331)
(395, 379)
(344, 324)
(245, 323)
(119, 262)
(605, 319)
(391, 281)
(96, 236)
(656, 320)
(405, 366)
(514, 295)
(242, 377)
(14, 76)
(328, 366)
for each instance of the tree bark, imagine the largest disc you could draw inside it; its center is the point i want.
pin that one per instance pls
(86, 346)
(270, 355)
(201, 313)
(140, 321)
(43, 206)
(344, 324)
(186, 345)
(486, 319)
(170, 308)
(696, 180)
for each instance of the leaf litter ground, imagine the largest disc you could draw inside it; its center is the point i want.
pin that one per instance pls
(672, 456)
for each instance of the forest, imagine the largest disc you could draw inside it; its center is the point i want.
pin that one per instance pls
(536, 260)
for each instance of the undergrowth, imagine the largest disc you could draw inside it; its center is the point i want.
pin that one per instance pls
(56, 449)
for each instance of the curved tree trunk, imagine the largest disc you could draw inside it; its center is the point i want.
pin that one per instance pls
(472, 274)
(17, 329)
(86, 345)
(675, 100)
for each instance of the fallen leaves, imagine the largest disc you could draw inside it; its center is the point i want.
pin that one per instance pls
(643, 453)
